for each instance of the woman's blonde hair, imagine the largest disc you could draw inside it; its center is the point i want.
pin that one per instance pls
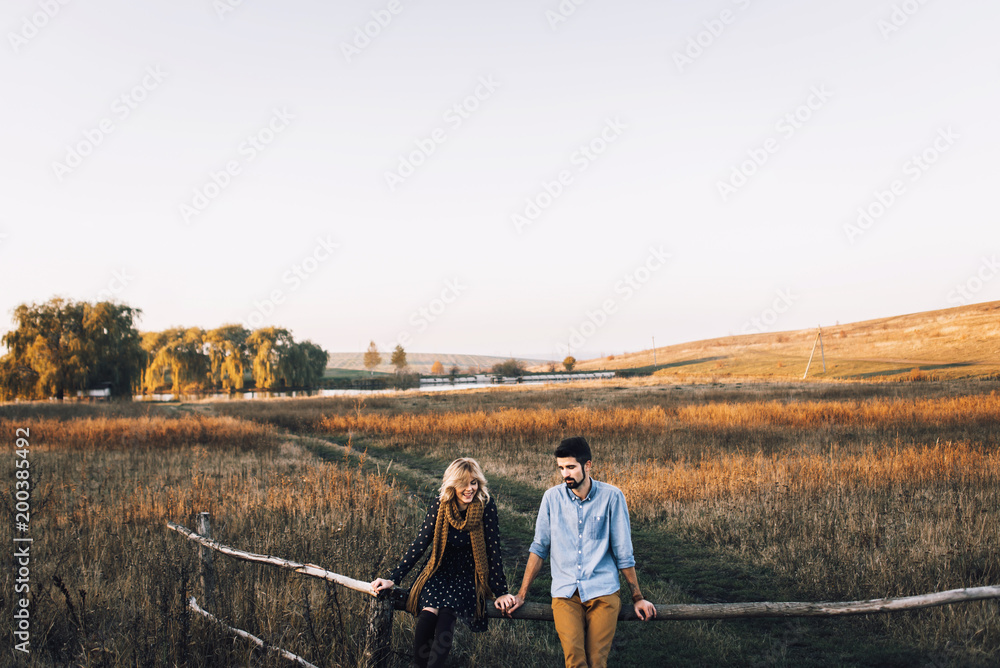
(458, 474)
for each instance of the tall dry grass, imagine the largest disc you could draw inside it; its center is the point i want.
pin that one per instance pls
(681, 419)
(839, 492)
(109, 581)
(889, 521)
(840, 498)
(153, 432)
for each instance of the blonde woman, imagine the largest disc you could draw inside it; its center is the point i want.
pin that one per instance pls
(465, 567)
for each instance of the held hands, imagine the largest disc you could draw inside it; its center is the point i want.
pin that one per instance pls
(644, 610)
(508, 603)
(379, 584)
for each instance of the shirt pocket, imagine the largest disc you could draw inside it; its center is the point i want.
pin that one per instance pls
(597, 527)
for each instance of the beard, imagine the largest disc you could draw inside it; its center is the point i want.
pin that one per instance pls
(572, 483)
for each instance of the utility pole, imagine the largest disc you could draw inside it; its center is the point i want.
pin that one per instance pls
(822, 354)
(819, 340)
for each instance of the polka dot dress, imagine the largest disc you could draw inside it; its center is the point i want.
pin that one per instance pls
(453, 585)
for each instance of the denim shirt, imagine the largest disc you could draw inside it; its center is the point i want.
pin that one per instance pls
(588, 541)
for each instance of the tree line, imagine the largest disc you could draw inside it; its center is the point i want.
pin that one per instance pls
(62, 347)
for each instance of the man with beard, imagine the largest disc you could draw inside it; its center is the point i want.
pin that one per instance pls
(583, 528)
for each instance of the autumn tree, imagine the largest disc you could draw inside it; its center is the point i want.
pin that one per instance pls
(267, 347)
(399, 358)
(228, 356)
(114, 347)
(47, 348)
(180, 353)
(372, 358)
(186, 358)
(64, 346)
(437, 368)
(569, 362)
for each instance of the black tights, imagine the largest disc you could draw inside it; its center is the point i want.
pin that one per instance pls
(432, 637)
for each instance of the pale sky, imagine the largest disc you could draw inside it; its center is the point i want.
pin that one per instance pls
(500, 178)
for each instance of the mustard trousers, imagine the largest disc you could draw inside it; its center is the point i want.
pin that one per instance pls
(586, 629)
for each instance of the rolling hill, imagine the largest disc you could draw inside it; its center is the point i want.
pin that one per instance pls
(961, 342)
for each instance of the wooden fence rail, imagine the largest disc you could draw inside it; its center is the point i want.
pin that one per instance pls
(193, 604)
(380, 613)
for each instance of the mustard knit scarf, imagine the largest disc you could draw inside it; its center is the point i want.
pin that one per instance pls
(448, 514)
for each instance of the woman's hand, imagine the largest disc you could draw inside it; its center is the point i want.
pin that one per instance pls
(379, 584)
(508, 603)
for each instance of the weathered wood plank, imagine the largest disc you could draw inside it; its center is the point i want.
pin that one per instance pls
(193, 604)
(305, 569)
(542, 612)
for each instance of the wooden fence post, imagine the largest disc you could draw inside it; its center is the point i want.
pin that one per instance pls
(378, 636)
(206, 566)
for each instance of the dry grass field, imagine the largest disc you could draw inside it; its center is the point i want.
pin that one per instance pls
(767, 491)
(109, 581)
(840, 492)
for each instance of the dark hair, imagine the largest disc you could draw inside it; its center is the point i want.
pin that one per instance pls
(574, 446)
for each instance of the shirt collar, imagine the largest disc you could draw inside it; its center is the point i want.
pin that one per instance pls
(590, 494)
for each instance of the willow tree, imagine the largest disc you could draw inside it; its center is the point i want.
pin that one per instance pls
(49, 339)
(267, 346)
(228, 355)
(17, 379)
(64, 346)
(313, 359)
(292, 366)
(114, 346)
(179, 352)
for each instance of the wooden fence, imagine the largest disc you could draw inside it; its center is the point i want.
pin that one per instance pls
(376, 649)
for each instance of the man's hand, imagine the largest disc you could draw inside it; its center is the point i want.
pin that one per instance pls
(379, 584)
(644, 610)
(508, 603)
(511, 602)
